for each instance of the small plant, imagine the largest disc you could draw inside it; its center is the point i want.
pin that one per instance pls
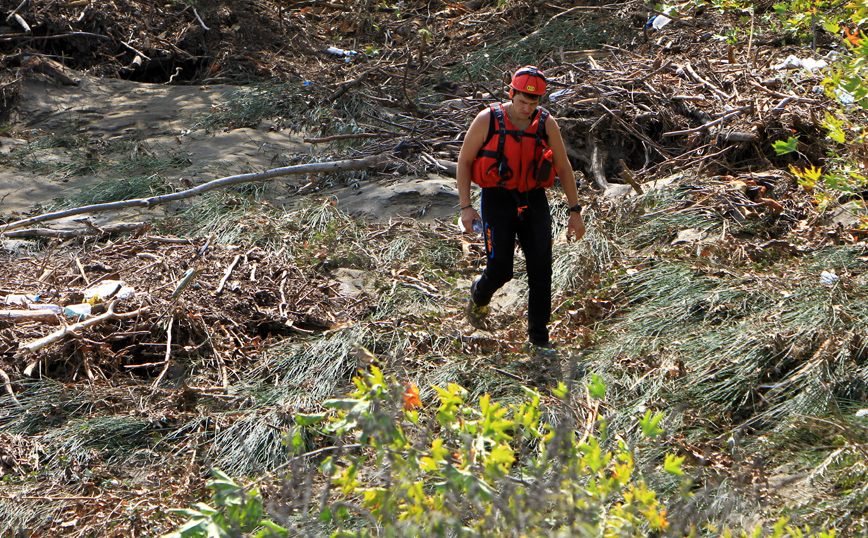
(234, 511)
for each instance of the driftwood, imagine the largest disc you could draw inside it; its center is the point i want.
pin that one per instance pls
(123, 227)
(312, 168)
(62, 333)
(597, 160)
(44, 315)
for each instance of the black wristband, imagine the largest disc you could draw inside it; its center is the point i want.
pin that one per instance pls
(466, 207)
(576, 209)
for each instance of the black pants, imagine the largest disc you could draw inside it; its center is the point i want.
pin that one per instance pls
(503, 224)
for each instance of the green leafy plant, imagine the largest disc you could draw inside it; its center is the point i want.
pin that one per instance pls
(489, 469)
(234, 511)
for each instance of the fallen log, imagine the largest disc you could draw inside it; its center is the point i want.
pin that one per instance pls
(311, 168)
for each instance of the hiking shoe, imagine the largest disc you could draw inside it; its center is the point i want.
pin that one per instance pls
(476, 314)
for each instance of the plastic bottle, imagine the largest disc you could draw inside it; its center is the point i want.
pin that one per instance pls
(477, 226)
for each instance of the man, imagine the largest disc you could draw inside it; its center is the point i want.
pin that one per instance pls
(513, 151)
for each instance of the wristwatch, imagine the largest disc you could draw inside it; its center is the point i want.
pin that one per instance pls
(576, 208)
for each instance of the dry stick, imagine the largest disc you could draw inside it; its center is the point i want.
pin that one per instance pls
(198, 18)
(137, 51)
(597, 164)
(342, 89)
(42, 315)
(226, 274)
(28, 38)
(782, 95)
(332, 166)
(81, 270)
(123, 227)
(706, 125)
(640, 136)
(717, 91)
(348, 136)
(16, 10)
(8, 384)
(168, 354)
(59, 334)
(627, 176)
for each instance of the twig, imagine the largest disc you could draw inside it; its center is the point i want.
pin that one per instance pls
(123, 227)
(16, 10)
(8, 384)
(137, 51)
(331, 166)
(627, 176)
(507, 374)
(81, 270)
(59, 334)
(781, 95)
(717, 91)
(348, 136)
(706, 125)
(198, 18)
(342, 89)
(168, 354)
(226, 274)
(58, 36)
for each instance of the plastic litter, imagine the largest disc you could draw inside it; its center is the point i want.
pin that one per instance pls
(554, 97)
(660, 21)
(21, 299)
(827, 278)
(78, 312)
(845, 97)
(109, 289)
(341, 52)
(794, 62)
(477, 226)
(39, 306)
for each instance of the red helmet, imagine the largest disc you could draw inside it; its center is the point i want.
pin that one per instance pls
(529, 79)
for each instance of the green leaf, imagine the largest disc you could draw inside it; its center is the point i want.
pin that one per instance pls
(790, 146)
(649, 424)
(672, 464)
(597, 388)
(303, 419)
(271, 530)
(341, 403)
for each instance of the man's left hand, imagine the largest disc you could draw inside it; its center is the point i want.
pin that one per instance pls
(576, 226)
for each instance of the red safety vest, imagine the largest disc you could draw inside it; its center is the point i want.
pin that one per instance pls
(513, 159)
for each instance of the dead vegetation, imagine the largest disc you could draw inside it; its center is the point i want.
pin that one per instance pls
(708, 287)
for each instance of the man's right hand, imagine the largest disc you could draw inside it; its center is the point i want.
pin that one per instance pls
(468, 215)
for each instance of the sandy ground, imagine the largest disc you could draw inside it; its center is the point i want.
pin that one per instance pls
(161, 119)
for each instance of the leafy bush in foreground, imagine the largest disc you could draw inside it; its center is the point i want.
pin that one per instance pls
(463, 471)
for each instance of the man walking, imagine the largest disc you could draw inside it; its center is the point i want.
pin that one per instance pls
(513, 151)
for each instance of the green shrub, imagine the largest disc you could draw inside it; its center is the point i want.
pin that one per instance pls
(458, 470)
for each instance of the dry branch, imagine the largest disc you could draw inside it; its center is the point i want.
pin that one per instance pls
(709, 124)
(123, 227)
(168, 355)
(311, 168)
(16, 316)
(8, 384)
(62, 333)
(717, 91)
